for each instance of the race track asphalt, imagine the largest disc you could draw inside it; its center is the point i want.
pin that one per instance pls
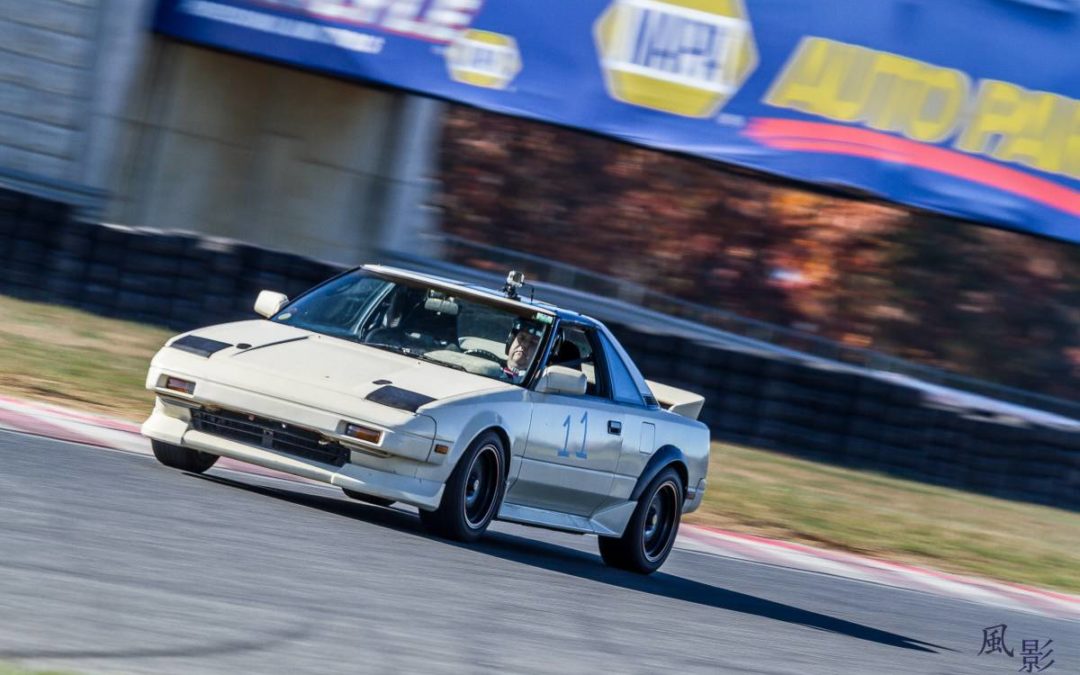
(112, 563)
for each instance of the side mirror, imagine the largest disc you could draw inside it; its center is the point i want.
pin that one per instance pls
(269, 303)
(562, 380)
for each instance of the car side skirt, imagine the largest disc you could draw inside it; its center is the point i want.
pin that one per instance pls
(608, 522)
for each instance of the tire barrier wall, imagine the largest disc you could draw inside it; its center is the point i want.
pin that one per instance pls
(802, 407)
(856, 419)
(179, 280)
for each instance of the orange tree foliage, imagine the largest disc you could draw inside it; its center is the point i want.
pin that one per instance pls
(985, 302)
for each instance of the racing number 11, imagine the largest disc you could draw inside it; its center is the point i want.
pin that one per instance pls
(580, 454)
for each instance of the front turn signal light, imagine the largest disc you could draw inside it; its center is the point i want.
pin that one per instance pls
(362, 433)
(182, 386)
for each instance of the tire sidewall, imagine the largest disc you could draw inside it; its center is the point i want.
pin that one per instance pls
(457, 486)
(637, 531)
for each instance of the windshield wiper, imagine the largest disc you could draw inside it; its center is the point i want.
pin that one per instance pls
(397, 349)
(455, 366)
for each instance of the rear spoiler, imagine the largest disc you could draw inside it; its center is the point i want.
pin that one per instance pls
(678, 401)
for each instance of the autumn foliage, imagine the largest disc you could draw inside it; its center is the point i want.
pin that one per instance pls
(972, 299)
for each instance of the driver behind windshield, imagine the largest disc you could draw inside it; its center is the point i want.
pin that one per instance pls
(523, 342)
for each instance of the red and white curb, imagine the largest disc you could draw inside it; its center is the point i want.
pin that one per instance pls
(107, 432)
(898, 575)
(42, 419)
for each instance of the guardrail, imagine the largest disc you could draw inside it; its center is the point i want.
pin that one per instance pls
(569, 276)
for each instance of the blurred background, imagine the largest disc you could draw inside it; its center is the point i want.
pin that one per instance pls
(937, 291)
(161, 162)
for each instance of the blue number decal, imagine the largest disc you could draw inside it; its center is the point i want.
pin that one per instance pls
(582, 454)
(564, 451)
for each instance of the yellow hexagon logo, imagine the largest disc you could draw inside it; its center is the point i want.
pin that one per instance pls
(484, 59)
(685, 57)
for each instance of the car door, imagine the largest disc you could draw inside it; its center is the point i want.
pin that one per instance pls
(574, 442)
(639, 424)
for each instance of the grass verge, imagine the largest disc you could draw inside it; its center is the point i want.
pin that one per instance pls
(771, 494)
(73, 358)
(77, 359)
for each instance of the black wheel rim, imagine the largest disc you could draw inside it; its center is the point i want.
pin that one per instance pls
(658, 530)
(482, 486)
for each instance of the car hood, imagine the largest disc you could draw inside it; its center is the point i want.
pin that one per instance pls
(285, 362)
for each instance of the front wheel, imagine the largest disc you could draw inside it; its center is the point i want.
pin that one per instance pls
(650, 534)
(472, 496)
(185, 459)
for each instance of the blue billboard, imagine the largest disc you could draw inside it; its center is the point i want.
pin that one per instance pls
(965, 108)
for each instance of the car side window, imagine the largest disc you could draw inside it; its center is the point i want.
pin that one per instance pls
(577, 350)
(623, 387)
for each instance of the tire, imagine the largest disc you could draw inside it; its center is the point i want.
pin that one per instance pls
(370, 499)
(473, 493)
(650, 534)
(185, 459)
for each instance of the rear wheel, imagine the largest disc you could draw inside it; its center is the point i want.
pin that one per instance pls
(181, 458)
(472, 496)
(361, 497)
(650, 534)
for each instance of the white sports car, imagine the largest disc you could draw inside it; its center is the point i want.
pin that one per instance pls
(467, 403)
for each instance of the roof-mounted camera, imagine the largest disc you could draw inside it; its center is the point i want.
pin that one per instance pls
(514, 281)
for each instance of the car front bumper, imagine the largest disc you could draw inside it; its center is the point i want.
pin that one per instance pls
(170, 423)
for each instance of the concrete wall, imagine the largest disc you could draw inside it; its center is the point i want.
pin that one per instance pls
(179, 137)
(230, 146)
(48, 50)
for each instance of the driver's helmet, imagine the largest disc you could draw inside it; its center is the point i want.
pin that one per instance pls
(521, 324)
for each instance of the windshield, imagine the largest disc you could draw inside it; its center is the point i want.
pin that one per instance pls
(423, 322)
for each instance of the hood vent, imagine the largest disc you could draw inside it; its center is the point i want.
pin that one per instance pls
(396, 397)
(205, 347)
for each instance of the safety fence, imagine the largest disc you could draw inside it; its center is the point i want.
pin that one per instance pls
(829, 411)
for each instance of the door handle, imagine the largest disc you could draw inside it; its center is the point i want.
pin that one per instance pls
(614, 427)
